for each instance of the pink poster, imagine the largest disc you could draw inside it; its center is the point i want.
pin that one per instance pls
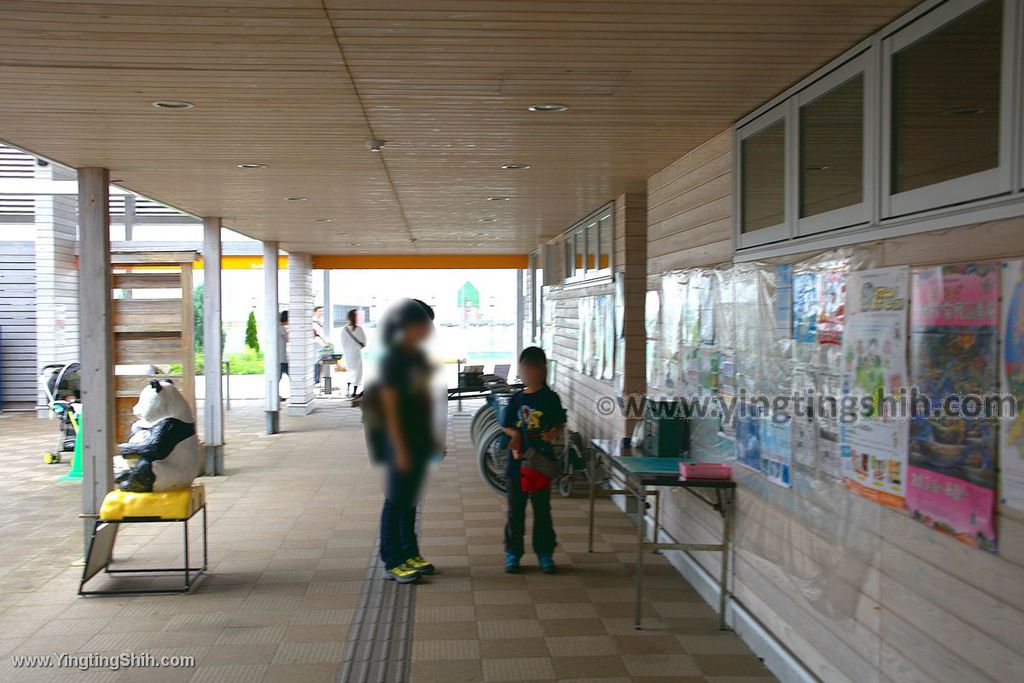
(953, 366)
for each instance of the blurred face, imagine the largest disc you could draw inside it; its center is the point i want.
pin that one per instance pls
(318, 314)
(417, 333)
(533, 375)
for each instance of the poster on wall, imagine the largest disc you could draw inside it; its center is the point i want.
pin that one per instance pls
(784, 301)
(873, 443)
(805, 307)
(748, 436)
(691, 332)
(777, 451)
(952, 468)
(707, 309)
(609, 339)
(831, 302)
(1011, 431)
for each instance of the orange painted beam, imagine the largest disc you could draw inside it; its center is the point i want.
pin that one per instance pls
(419, 261)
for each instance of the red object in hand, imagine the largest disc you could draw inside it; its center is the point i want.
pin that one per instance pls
(704, 470)
(531, 481)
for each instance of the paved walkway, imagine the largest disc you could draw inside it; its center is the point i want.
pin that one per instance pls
(292, 527)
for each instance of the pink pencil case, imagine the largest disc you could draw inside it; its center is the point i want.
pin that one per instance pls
(704, 470)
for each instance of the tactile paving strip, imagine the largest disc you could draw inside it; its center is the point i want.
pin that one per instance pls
(379, 643)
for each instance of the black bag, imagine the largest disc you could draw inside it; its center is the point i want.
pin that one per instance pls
(535, 460)
(375, 428)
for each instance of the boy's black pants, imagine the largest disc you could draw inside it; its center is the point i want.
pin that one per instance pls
(544, 541)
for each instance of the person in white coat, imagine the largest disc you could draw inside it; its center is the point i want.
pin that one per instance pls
(353, 340)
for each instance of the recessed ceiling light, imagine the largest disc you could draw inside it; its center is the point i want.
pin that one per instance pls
(514, 167)
(487, 220)
(295, 199)
(818, 168)
(173, 104)
(548, 106)
(498, 199)
(323, 220)
(251, 166)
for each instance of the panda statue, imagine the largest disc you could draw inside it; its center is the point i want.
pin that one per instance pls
(163, 452)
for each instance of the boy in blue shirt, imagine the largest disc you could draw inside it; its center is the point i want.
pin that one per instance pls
(534, 418)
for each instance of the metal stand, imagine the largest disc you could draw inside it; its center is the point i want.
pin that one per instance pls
(640, 486)
(100, 555)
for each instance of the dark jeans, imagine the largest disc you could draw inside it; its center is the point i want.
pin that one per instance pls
(544, 541)
(282, 371)
(316, 372)
(398, 518)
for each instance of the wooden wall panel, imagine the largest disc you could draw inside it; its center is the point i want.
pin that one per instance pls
(18, 371)
(856, 591)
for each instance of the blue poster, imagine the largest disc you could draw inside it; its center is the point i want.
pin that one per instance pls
(748, 435)
(805, 307)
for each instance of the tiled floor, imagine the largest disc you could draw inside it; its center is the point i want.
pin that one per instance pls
(291, 528)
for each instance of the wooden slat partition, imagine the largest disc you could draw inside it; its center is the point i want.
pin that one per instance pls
(152, 331)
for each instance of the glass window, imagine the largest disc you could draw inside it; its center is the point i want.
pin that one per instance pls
(763, 163)
(832, 149)
(593, 247)
(607, 243)
(945, 101)
(581, 253)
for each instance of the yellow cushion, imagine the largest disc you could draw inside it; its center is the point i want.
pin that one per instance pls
(176, 504)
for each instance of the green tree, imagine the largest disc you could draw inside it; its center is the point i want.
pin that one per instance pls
(197, 316)
(252, 339)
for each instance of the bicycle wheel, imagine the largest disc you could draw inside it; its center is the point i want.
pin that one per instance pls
(492, 459)
(479, 418)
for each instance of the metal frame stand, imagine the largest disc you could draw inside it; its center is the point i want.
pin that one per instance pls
(101, 548)
(723, 503)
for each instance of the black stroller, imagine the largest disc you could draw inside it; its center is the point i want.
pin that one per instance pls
(62, 386)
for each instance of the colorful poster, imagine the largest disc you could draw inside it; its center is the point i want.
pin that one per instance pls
(952, 471)
(777, 451)
(691, 311)
(784, 301)
(805, 307)
(873, 441)
(832, 297)
(748, 436)
(1011, 431)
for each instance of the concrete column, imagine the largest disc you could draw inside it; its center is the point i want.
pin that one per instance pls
(95, 342)
(301, 351)
(271, 362)
(56, 277)
(520, 312)
(213, 405)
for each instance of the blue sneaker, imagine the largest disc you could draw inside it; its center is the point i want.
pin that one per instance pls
(512, 564)
(547, 564)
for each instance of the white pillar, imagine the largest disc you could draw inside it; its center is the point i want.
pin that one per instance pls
(95, 342)
(271, 362)
(520, 312)
(301, 352)
(56, 277)
(213, 404)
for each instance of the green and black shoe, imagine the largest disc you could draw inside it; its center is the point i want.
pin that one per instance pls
(403, 573)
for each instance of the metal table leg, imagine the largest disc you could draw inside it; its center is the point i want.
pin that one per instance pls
(640, 542)
(592, 477)
(726, 505)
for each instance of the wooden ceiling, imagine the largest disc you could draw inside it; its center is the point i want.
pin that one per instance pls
(300, 85)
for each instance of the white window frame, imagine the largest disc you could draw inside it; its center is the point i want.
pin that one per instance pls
(855, 214)
(978, 185)
(588, 231)
(779, 231)
(949, 205)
